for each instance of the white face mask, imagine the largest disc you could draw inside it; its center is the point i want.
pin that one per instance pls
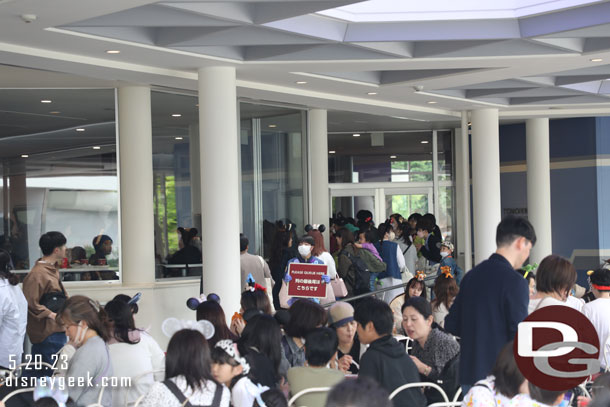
(392, 235)
(80, 334)
(304, 250)
(444, 254)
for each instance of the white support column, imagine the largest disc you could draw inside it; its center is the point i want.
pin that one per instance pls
(318, 156)
(539, 186)
(219, 184)
(462, 193)
(486, 202)
(195, 169)
(136, 185)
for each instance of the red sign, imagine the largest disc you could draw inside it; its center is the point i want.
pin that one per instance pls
(307, 280)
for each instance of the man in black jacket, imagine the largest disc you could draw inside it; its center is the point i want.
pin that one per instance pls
(386, 360)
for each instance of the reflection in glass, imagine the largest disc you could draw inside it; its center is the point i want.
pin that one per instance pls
(59, 173)
(406, 204)
(349, 206)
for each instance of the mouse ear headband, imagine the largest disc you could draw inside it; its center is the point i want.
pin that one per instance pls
(172, 325)
(230, 349)
(58, 394)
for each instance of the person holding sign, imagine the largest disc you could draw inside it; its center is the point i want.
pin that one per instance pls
(308, 279)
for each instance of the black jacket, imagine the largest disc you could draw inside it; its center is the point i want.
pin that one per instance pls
(432, 250)
(388, 363)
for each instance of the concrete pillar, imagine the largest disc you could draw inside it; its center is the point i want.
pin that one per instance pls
(318, 156)
(486, 203)
(136, 186)
(539, 186)
(220, 184)
(462, 194)
(195, 168)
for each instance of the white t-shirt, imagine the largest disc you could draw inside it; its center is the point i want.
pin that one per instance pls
(244, 392)
(571, 302)
(13, 321)
(598, 311)
(160, 395)
(327, 259)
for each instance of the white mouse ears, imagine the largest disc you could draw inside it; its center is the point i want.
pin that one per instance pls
(172, 325)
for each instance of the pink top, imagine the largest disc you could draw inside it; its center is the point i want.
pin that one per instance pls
(371, 248)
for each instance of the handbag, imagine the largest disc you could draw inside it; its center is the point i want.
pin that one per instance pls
(339, 288)
(53, 300)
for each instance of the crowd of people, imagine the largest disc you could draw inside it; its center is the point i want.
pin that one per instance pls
(459, 327)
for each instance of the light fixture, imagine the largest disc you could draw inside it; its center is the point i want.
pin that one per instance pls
(392, 156)
(178, 138)
(176, 115)
(596, 60)
(356, 135)
(80, 129)
(301, 82)
(97, 147)
(24, 156)
(371, 93)
(331, 152)
(272, 126)
(432, 102)
(45, 101)
(54, 112)
(113, 51)
(424, 141)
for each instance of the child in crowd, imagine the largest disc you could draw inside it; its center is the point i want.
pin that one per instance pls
(365, 241)
(320, 349)
(385, 360)
(445, 291)
(597, 311)
(415, 288)
(230, 369)
(449, 261)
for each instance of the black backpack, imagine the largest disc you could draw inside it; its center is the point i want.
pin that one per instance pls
(362, 275)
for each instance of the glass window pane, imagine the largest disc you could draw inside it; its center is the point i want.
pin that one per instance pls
(406, 204)
(60, 174)
(446, 213)
(445, 155)
(380, 157)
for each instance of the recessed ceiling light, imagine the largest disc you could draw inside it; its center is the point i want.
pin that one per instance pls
(178, 138)
(371, 93)
(596, 60)
(432, 102)
(80, 129)
(176, 115)
(356, 135)
(273, 126)
(24, 156)
(392, 156)
(97, 147)
(54, 112)
(113, 51)
(331, 152)
(45, 101)
(424, 141)
(301, 82)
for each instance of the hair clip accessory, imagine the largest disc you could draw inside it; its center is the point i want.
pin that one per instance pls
(446, 270)
(230, 348)
(172, 325)
(420, 275)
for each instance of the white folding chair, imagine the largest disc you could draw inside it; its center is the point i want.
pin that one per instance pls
(407, 340)
(294, 398)
(606, 352)
(422, 385)
(15, 392)
(139, 400)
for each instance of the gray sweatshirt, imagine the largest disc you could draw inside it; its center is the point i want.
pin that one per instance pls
(89, 365)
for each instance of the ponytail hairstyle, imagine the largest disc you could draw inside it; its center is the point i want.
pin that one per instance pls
(5, 268)
(120, 317)
(80, 308)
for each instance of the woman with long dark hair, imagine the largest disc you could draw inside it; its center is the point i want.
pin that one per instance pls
(188, 375)
(212, 311)
(13, 314)
(261, 345)
(133, 353)
(281, 252)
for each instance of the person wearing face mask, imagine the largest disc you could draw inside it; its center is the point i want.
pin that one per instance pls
(431, 248)
(449, 261)
(86, 353)
(305, 248)
(392, 256)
